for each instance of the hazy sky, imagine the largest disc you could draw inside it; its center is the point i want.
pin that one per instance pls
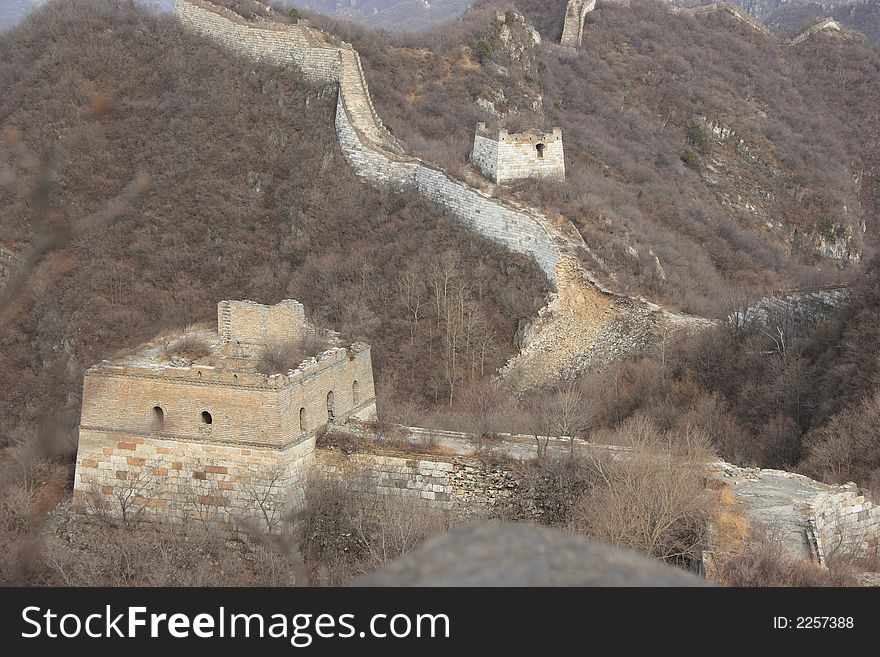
(12, 11)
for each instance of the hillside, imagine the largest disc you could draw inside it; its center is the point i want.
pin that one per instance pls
(741, 163)
(248, 197)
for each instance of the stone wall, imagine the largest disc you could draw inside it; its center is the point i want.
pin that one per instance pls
(485, 155)
(151, 477)
(264, 41)
(515, 229)
(846, 523)
(573, 26)
(365, 143)
(375, 156)
(466, 487)
(505, 156)
(822, 25)
(256, 324)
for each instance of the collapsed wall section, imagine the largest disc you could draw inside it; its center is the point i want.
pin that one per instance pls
(466, 488)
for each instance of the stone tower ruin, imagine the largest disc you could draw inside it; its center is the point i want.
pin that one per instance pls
(192, 427)
(503, 156)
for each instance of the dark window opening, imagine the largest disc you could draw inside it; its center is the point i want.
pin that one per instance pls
(331, 415)
(355, 393)
(540, 148)
(206, 417)
(158, 417)
(302, 420)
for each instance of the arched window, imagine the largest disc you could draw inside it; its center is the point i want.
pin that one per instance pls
(355, 393)
(331, 415)
(302, 420)
(540, 148)
(158, 417)
(206, 417)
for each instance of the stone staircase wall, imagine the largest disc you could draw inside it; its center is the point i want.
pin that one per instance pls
(582, 317)
(573, 26)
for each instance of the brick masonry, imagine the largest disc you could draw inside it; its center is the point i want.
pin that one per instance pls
(503, 156)
(159, 436)
(466, 487)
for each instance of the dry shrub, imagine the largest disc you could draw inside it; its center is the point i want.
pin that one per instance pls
(286, 356)
(557, 485)
(765, 563)
(652, 499)
(189, 347)
(348, 528)
(150, 554)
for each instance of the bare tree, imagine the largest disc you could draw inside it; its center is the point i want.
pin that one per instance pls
(652, 498)
(568, 413)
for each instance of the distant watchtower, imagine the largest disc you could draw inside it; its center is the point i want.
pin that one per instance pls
(504, 156)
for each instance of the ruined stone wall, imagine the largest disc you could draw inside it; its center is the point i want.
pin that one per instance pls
(515, 229)
(465, 487)
(505, 156)
(252, 323)
(846, 523)
(151, 477)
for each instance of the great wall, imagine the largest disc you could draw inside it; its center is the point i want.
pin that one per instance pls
(583, 319)
(212, 438)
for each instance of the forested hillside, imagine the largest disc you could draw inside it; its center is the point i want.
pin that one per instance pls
(242, 194)
(742, 163)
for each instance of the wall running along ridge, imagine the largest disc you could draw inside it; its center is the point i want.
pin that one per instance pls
(571, 328)
(573, 27)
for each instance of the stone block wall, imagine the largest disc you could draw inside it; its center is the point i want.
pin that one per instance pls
(485, 155)
(266, 41)
(178, 481)
(250, 323)
(846, 523)
(515, 229)
(465, 487)
(506, 156)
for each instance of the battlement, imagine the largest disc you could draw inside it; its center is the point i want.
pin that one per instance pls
(185, 407)
(504, 156)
